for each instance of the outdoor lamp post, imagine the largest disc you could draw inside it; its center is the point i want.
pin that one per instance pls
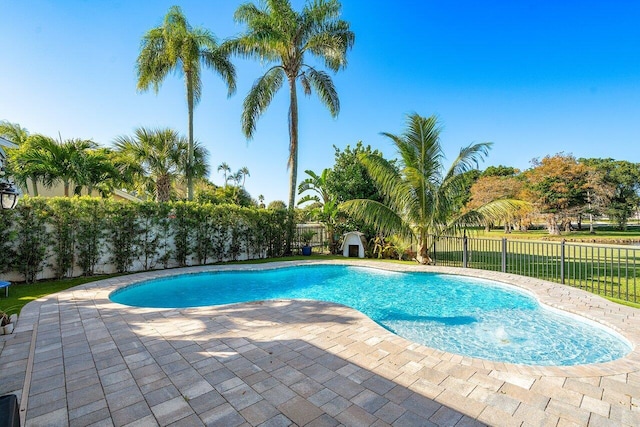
(8, 195)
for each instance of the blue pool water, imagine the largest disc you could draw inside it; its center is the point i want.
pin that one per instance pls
(458, 314)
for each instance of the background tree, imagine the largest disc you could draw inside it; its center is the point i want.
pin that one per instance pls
(421, 198)
(175, 45)
(488, 188)
(349, 179)
(24, 165)
(617, 183)
(58, 162)
(557, 185)
(278, 34)
(20, 136)
(158, 159)
(100, 169)
(13, 132)
(226, 171)
(323, 207)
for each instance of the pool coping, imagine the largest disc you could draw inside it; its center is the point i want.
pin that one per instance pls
(609, 377)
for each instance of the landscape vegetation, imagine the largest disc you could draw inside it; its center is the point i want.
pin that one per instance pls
(402, 205)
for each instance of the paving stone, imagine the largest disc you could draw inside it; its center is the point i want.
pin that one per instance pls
(300, 410)
(596, 406)
(369, 401)
(223, 415)
(131, 413)
(446, 417)
(411, 419)
(277, 421)
(241, 397)
(344, 387)
(260, 412)
(171, 410)
(336, 406)
(291, 354)
(100, 417)
(55, 418)
(124, 397)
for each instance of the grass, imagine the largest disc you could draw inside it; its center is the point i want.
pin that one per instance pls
(603, 234)
(21, 294)
(609, 271)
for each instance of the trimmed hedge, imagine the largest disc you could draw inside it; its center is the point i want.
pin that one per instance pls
(66, 237)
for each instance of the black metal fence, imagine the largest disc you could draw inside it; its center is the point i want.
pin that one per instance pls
(606, 270)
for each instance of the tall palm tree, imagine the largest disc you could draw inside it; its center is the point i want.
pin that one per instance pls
(245, 173)
(226, 170)
(279, 35)
(175, 45)
(422, 198)
(160, 156)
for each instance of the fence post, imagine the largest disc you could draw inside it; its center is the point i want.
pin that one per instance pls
(504, 254)
(434, 252)
(465, 259)
(562, 262)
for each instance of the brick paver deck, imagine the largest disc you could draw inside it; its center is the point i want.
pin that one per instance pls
(78, 359)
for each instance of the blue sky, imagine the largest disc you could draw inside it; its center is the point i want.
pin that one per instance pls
(533, 77)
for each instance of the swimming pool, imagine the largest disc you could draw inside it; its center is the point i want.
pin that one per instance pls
(457, 314)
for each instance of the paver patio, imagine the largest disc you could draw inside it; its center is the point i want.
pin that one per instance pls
(78, 359)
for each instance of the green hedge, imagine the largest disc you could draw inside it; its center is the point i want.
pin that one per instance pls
(73, 236)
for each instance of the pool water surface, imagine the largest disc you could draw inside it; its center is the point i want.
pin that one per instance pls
(458, 314)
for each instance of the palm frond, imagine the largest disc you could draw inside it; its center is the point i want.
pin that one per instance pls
(324, 87)
(469, 158)
(398, 194)
(217, 59)
(378, 215)
(331, 43)
(259, 98)
(306, 86)
(492, 212)
(309, 198)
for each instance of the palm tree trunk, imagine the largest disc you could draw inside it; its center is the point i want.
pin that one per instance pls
(34, 183)
(163, 188)
(293, 159)
(423, 250)
(66, 188)
(189, 170)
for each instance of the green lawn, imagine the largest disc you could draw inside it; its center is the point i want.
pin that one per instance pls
(603, 234)
(606, 270)
(20, 293)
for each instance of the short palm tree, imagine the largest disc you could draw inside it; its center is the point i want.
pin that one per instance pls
(23, 165)
(99, 168)
(175, 45)
(324, 206)
(54, 161)
(158, 157)
(279, 35)
(422, 199)
(19, 136)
